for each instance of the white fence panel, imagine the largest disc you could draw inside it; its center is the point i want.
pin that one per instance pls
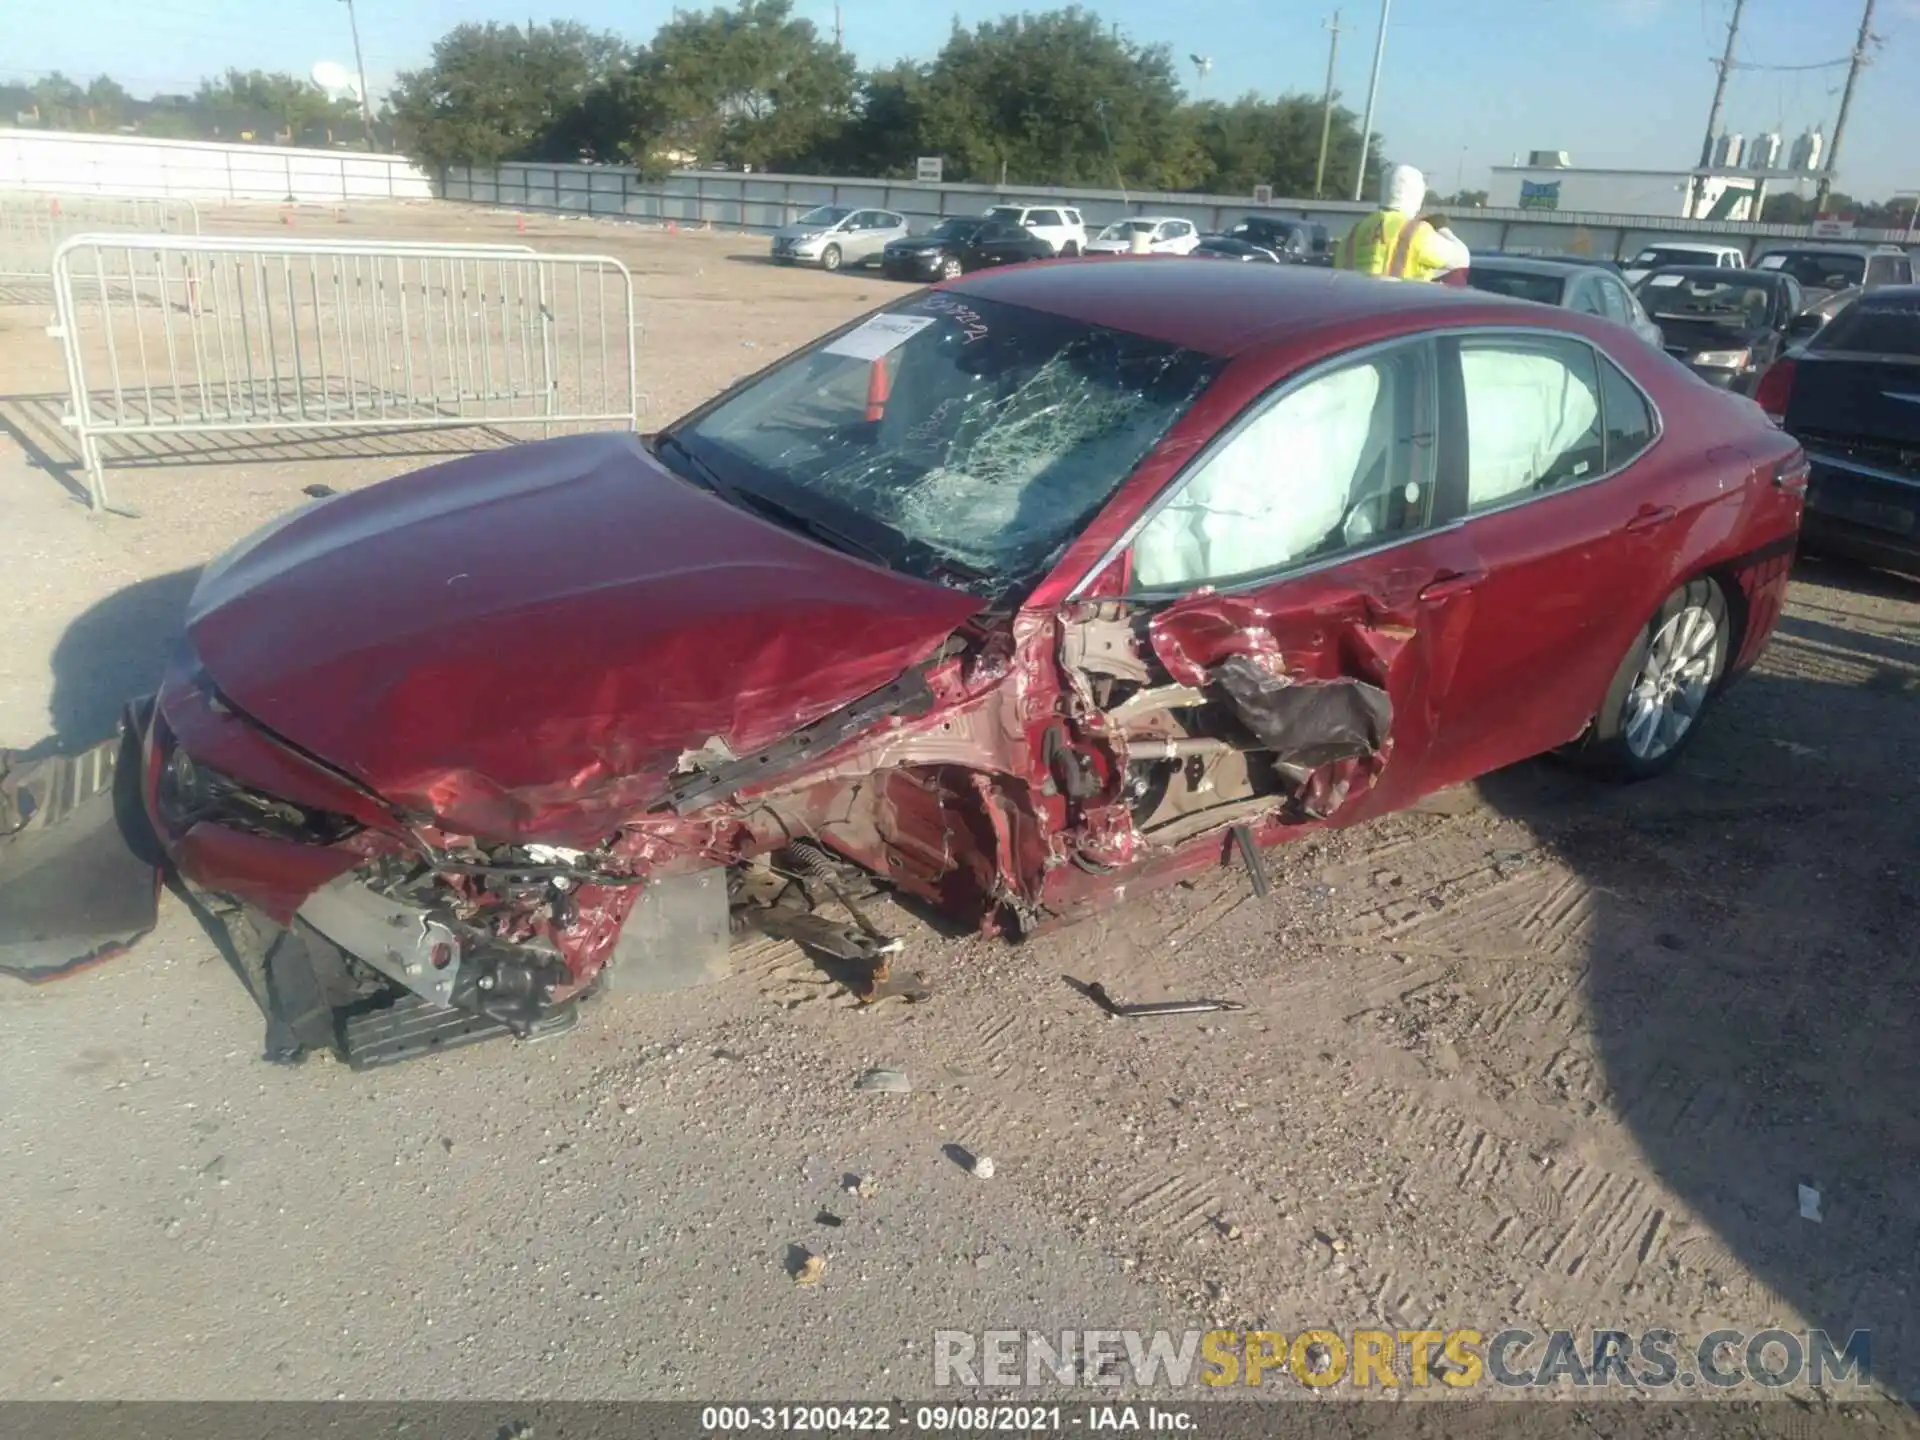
(172, 335)
(134, 165)
(33, 225)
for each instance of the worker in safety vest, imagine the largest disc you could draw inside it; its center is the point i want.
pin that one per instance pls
(1394, 241)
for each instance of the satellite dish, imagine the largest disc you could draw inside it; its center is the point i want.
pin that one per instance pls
(332, 77)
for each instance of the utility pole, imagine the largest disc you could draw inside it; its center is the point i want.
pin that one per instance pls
(1846, 100)
(836, 26)
(1373, 92)
(1326, 112)
(360, 67)
(1722, 66)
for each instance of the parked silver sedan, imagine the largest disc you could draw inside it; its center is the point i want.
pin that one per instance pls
(836, 235)
(1571, 283)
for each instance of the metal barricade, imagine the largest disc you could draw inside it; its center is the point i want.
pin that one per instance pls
(168, 335)
(33, 223)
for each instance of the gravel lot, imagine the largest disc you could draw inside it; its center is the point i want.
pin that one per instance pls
(1542, 1054)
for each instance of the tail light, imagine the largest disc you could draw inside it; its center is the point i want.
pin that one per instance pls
(1775, 389)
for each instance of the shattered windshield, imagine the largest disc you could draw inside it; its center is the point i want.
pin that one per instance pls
(956, 438)
(824, 215)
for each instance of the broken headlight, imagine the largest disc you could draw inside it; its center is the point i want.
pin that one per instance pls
(190, 792)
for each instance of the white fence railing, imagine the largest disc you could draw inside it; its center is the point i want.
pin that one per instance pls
(202, 170)
(33, 224)
(176, 335)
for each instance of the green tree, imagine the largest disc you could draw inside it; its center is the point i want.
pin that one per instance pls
(1253, 141)
(251, 99)
(747, 86)
(497, 92)
(62, 103)
(1058, 98)
(109, 106)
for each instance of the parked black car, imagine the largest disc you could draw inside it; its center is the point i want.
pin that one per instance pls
(1824, 268)
(1226, 247)
(959, 244)
(1726, 325)
(1297, 242)
(1851, 396)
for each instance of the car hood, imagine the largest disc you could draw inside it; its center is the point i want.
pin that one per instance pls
(800, 232)
(919, 243)
(525, 642)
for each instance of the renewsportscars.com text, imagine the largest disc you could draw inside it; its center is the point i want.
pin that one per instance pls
(1461, 1359)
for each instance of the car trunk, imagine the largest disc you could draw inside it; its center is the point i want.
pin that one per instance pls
(1864, 406)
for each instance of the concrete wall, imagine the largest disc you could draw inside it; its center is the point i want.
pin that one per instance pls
(50, 160)
(760, 203)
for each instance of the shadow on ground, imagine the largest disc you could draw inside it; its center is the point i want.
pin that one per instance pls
(1754, 978)
(111, 653)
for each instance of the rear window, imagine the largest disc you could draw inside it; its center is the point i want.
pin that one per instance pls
(1816, 270)
(1878, 329)
(1541, 289)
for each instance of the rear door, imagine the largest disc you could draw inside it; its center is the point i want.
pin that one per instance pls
(1571, 530)
(1304, 588)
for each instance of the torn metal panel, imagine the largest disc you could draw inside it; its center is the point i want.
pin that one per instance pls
(906, 697)
(1101, 641)
(1306, 723)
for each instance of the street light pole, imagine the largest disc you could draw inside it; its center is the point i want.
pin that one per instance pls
(1326, 112)
(1373, 92)
(360, 66)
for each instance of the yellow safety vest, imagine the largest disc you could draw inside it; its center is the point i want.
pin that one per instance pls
(1386, 243)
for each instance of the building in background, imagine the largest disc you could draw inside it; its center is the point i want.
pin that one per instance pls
(1727, 191)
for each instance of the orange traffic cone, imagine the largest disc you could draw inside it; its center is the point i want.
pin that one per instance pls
(877, 381)
(56, 207)
(520, 222)
(673, 227)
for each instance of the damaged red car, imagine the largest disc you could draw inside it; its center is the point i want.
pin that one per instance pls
(1030, 589)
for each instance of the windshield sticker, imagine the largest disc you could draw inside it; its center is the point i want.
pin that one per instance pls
(879, 337)
(973, 325)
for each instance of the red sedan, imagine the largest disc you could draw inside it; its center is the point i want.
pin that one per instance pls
(1032, 588)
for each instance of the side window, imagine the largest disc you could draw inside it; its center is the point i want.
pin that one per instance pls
(1533, 416)
(1178, 229)
(1584, 296)
(1073, 217)
(1629, 420)
(1903, 270)
(1044, 217)
(860, 220)
(1341, 463)
(1613, 301)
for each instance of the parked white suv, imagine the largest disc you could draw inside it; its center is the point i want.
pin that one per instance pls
(1059, 225)
(1681, 252)
(1165, 235)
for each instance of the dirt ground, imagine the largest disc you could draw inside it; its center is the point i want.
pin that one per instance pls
(1543, 1054)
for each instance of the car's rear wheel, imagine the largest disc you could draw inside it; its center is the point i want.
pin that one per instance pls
(950, 268)
(1652, 709)
(830, 258)
(1070, 249)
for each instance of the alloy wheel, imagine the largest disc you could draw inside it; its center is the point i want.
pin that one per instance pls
(1666, 697)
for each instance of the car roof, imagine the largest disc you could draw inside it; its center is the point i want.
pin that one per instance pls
(1227, 310)
(1735, 276)
(1701, 246)
(1828, 247)
(1535, 264)
(1901, 296)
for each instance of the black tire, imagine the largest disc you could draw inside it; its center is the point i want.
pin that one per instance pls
(1614, 747)
(951, 268)
(830, 258)
(1071, 249)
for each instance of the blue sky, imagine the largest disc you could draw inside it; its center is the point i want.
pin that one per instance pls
(1466, 83)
